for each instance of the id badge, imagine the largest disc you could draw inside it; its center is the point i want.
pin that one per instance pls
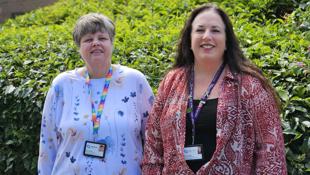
(94, 149)
(193, 152)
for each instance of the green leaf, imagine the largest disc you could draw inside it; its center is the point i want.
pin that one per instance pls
(9, 89)
(9, 142)
(283, 94)
(306, 123)
(300, 108)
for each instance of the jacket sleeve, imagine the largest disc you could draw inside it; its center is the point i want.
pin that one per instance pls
(48, 136)
(269, 153)
(152, 163)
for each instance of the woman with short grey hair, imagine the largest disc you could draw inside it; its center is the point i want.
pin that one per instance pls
(94, 116)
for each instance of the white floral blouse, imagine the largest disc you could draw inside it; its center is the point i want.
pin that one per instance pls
(66, 124)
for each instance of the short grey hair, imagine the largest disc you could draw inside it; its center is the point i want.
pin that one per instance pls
(92, 23)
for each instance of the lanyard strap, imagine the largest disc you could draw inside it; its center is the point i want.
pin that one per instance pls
(96, 117)
(194, 113)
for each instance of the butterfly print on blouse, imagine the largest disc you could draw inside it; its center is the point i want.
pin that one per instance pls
(125, 99)
(133, 94)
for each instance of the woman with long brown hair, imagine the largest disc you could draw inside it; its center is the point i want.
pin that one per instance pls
(215, 113)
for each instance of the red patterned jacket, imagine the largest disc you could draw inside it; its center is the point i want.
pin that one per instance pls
(249, 137)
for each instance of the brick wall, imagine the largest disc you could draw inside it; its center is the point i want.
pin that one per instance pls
(12, 8)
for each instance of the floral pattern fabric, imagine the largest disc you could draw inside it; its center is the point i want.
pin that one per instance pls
(66, 124)
(249, 137)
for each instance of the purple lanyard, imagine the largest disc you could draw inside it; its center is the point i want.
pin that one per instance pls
(194, 113)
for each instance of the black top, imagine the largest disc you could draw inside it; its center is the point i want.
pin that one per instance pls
(205, 132)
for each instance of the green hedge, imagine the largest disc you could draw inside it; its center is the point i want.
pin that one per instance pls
(37, 46)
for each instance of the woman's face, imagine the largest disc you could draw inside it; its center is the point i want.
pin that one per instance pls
(96, 49)
(208, 38)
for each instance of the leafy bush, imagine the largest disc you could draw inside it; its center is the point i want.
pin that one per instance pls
(37, 46)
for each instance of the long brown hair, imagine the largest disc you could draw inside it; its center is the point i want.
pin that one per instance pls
(233, 55)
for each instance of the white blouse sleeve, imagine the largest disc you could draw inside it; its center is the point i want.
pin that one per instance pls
(145, 102)
(49, 136)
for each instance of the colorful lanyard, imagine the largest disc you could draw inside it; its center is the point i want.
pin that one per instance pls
(96, 117)
(194, 114)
